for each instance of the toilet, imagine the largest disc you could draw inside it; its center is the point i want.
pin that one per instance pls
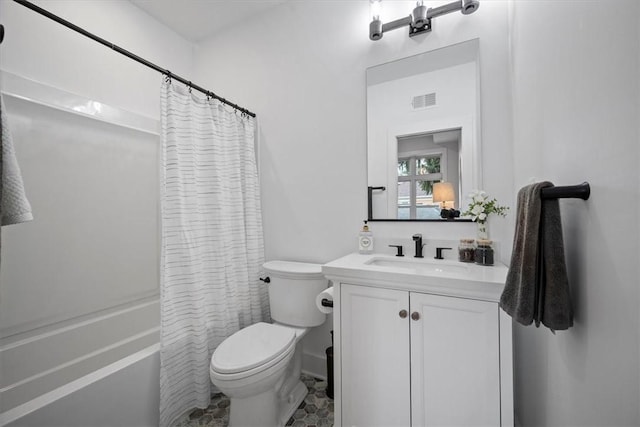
(259, 367)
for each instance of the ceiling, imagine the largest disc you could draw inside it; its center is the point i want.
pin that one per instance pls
(195, 20)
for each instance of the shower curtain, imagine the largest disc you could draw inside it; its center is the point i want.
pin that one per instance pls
(212, 243)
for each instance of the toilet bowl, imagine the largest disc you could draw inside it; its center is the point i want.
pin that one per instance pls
(259, 367)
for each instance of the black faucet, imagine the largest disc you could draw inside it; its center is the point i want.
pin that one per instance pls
(418, 239)
(439, 253)
(399, 249)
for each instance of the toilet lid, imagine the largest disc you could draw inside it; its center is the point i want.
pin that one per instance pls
(250, 347)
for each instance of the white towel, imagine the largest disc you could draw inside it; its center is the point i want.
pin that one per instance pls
(15, 206)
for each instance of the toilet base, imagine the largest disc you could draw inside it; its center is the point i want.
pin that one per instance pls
(288, 406)
(266, 409)
(255, 411)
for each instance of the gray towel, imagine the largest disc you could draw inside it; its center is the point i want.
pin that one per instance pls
(1, 150)
(537, 287)
(14, 205)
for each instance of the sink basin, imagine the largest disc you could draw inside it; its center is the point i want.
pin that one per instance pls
(419, 266)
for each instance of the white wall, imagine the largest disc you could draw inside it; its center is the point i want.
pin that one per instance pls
(301, 68)
(40, 49)
(47, 347)
(576, 100)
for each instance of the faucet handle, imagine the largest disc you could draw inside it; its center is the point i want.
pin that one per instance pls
(439, 253)
(419, 245)
(399, 249)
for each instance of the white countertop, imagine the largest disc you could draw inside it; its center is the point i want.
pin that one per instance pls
(443, 277)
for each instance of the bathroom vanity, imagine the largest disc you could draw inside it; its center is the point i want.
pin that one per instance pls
(420, 342)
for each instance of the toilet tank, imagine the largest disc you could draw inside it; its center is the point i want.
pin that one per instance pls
(293, 288)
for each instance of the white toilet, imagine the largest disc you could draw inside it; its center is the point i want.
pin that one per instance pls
(258, 367)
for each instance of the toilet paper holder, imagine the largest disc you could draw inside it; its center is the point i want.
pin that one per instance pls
(326, 302)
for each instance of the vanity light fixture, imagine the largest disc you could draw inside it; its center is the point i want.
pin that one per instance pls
(419, 21)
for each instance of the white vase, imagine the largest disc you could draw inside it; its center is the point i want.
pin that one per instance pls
(483, 230)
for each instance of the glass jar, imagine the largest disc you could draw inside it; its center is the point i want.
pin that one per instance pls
(484, 252)
(466, 250)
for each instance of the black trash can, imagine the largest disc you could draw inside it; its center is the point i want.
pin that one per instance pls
(330, 369)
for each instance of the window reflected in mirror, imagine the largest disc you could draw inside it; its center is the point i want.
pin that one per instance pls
(423, 160)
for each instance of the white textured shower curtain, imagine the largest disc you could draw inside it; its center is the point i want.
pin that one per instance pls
(212, 243)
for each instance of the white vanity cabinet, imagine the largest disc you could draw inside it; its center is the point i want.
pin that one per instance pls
(455, 369)
(375, 357)
(412, 353)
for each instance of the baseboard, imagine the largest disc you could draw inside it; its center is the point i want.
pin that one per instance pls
(314, 365)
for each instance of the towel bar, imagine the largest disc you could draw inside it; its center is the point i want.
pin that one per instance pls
(580, 191)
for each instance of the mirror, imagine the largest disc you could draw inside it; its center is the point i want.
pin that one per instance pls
(423, 134)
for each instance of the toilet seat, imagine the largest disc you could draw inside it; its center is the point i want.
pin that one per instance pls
(252, 349)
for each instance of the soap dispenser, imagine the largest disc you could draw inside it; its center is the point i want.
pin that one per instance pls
(365, 241)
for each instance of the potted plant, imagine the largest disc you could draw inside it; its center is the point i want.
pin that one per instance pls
(480, 208)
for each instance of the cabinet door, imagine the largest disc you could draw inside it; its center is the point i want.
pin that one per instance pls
(455, 371)
(375, 357)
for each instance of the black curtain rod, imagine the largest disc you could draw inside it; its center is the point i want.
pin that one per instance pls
(128, 54)
(580, 191)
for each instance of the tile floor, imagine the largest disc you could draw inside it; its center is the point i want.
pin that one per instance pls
(315, 411)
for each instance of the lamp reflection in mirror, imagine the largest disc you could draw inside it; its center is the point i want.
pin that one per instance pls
(443, 193)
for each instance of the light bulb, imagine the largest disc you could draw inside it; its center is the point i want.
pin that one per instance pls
(375, 7)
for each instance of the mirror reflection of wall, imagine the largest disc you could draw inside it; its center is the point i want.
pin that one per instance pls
(423, 128)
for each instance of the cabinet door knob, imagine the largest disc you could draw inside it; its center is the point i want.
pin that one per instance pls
(415, 315)
(403, 314)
